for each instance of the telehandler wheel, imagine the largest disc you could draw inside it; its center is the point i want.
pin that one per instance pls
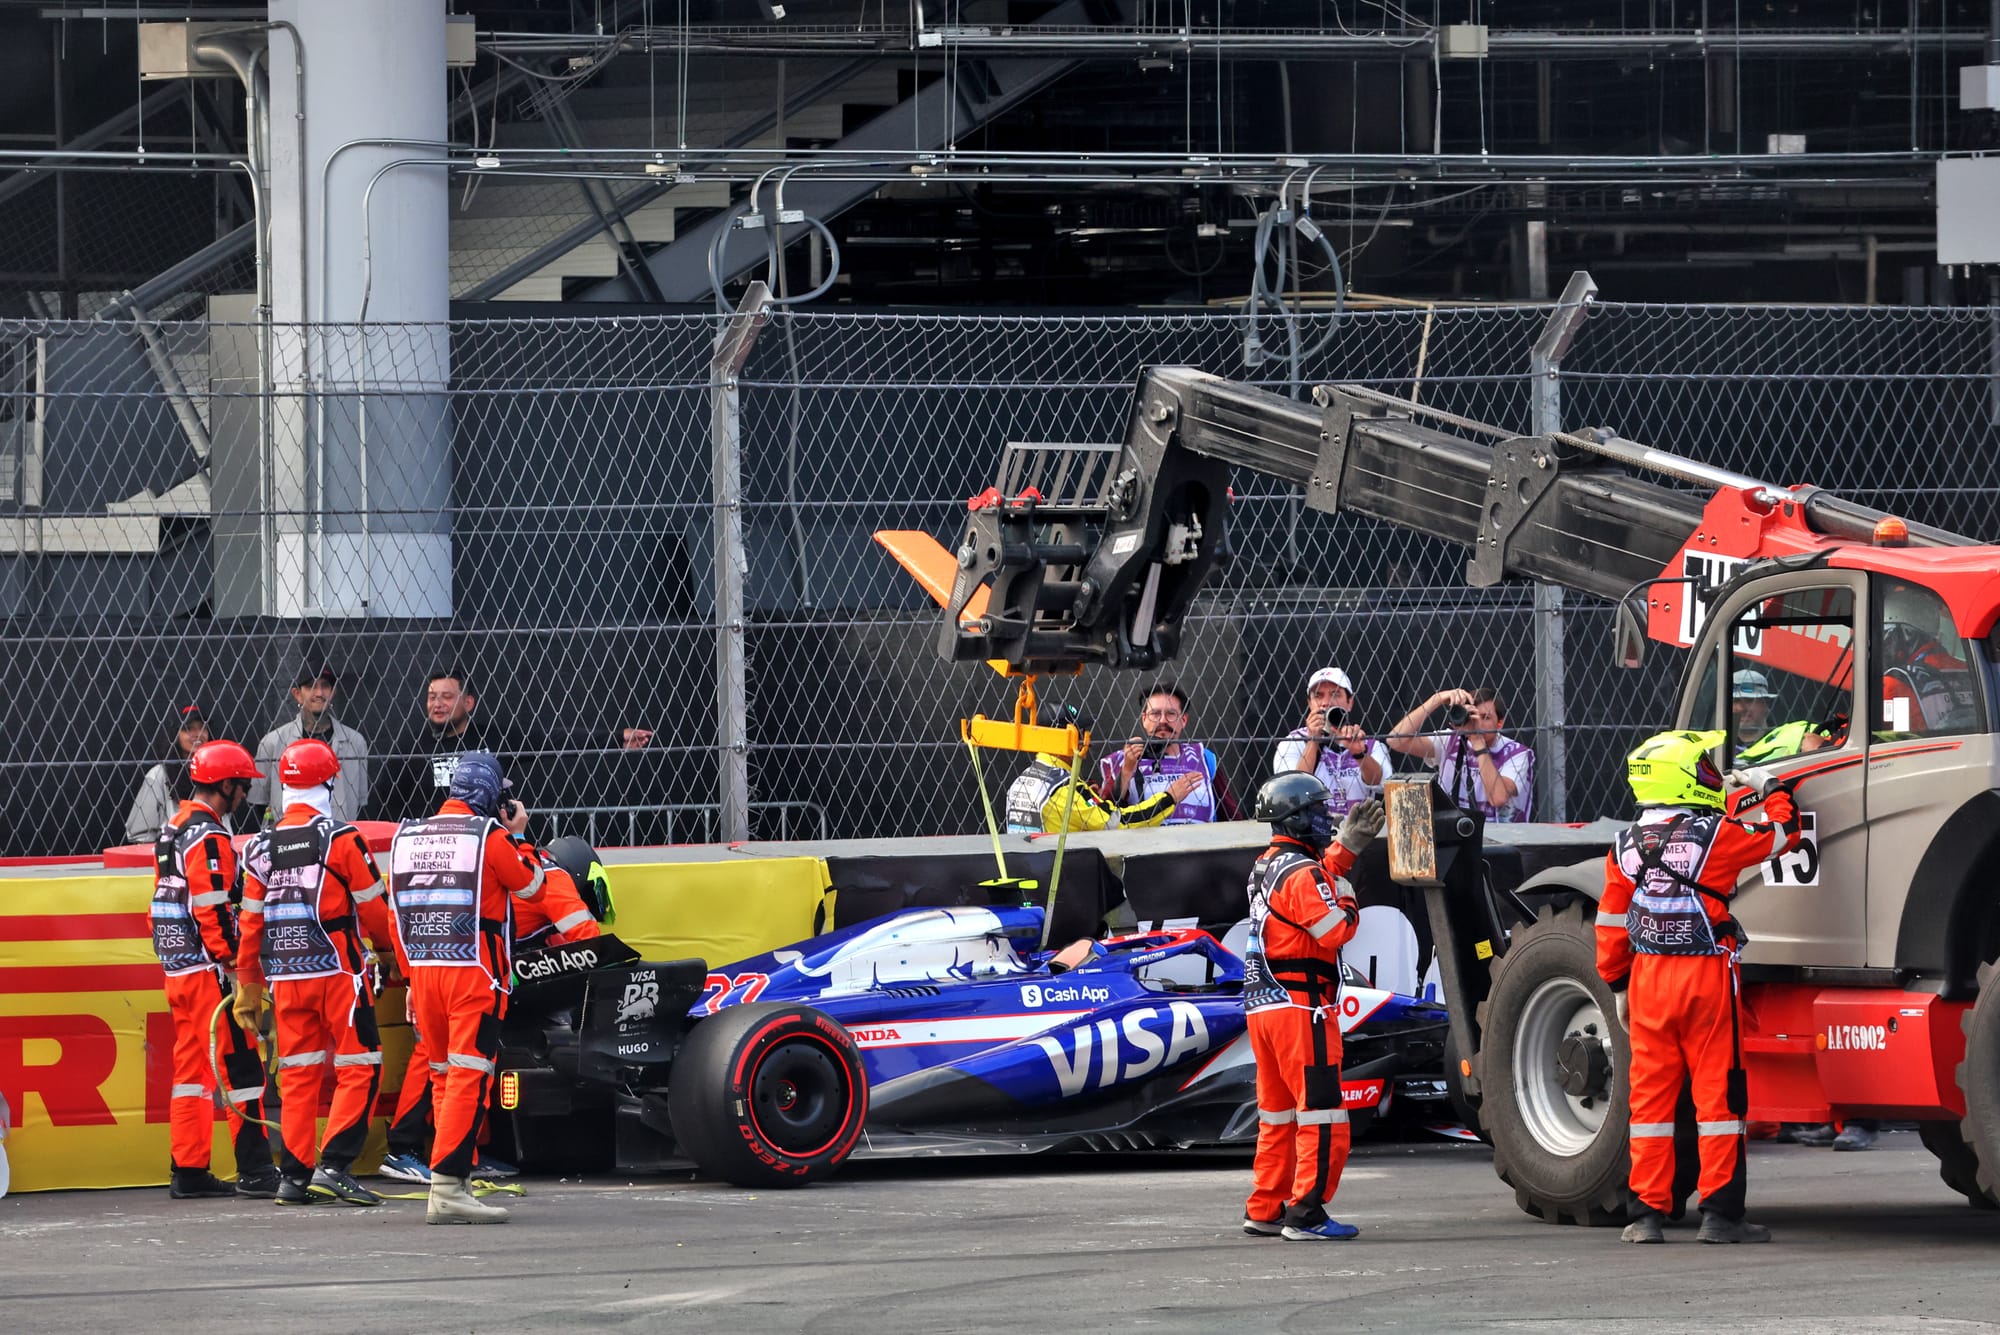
(1552, 1066)
(1979, 1081)
(1958, 1166)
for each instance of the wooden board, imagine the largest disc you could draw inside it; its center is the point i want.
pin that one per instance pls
(1412, 837)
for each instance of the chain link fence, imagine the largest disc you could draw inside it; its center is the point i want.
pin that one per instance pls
(192, 513)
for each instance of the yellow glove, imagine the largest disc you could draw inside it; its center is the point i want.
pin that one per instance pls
(251, 1003)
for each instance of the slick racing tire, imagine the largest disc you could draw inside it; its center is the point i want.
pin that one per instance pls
(1979, 1082)
(769, 1095)
(1552, 1063)
(1958, 1166)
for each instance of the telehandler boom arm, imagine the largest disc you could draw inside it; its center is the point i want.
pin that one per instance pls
(1092, 554)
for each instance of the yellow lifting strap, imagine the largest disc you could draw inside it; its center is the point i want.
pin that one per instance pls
(1062, 836)
(1022, 733)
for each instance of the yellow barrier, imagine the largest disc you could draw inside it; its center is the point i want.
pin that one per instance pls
(719, 911)
(86, 1041)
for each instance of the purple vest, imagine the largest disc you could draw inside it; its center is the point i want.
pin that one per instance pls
(1340, 770)
(1667, 916)
(1458, 775)
(290, 862)
(1261, 988)
(176, 934)
(435, 866)
(1155, 774)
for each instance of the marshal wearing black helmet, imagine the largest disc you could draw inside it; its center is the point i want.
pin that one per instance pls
(1295, 804)
(1300, 915)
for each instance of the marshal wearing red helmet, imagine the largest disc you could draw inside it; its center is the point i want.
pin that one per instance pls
(194, 934)
(215, 763)
(315, 875)
(307, 763)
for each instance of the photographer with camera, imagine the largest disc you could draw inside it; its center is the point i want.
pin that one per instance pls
(1333, 746)
(1475, 763)
(1158, 759)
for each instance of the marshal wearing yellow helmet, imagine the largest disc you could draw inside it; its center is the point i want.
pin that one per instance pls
(1667, 945)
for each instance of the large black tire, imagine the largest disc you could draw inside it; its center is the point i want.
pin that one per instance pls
(1552, 1064)
(1979, 1082)
(1958, 1166)
(769, 1095)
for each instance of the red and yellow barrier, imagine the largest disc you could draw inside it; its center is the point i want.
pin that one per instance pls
(86, 1039)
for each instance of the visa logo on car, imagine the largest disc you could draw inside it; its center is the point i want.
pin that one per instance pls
(1151, 1039)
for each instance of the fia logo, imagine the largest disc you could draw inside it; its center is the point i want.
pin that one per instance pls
(1031, 995)
(641, 999)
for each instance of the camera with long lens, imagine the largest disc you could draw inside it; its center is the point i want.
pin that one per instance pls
(1456, 716)
(1336, 718)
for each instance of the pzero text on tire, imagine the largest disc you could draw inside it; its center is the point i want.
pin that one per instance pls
(1979, 1081)
(769, 1095)
(1552, 1064)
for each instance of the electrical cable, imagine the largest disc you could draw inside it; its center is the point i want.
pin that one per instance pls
(1221, 254)
(256, 1038)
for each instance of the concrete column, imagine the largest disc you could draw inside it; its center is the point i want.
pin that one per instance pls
(361, 469)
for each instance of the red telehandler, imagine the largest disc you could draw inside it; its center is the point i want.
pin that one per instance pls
(1853, 653)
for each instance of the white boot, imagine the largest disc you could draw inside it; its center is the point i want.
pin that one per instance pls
(451, 1203)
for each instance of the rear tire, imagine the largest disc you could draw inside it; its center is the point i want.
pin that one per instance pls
(1958, 1166)
(768, 1095)
(1979, 1082)
(1552, 1068)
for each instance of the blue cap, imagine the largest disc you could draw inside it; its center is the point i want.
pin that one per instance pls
(477, 781)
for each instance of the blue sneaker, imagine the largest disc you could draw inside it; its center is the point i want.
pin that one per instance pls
(1328, 1230)
(492, 1170)
(405, 1168)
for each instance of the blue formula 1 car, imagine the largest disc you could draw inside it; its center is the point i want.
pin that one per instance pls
(930, 1031)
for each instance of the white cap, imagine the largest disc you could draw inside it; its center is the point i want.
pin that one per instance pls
(1750, 684)
(1334, 675)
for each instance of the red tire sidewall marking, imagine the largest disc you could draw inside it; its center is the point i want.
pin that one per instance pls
(745, 1076)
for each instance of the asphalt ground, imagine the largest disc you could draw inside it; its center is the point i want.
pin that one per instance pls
(1865, 1242)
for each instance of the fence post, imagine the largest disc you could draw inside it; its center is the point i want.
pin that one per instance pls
(733, 342)
(1544, 370)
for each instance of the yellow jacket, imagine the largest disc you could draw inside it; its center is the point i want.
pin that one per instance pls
(1036, 803)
